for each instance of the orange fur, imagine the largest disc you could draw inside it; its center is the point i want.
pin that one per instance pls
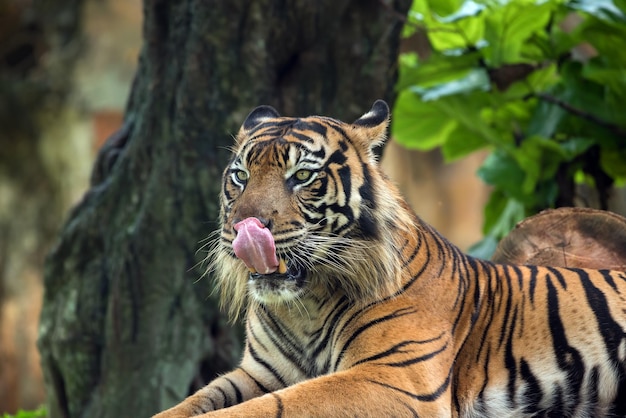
(379, 315)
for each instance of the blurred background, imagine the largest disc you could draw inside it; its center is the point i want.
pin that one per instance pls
(60, 99)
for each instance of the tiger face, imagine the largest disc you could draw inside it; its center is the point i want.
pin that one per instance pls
(299, 205)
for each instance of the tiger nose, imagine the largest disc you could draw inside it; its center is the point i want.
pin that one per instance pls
(267, 223)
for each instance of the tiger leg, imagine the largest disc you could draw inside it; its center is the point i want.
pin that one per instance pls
(230, 389)
(351, 393)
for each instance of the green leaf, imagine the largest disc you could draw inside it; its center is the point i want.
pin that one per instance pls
(445, 7)
(501, 170)
(501, 214)
(601, 72)
(539, 159)
(508, 118)
(415, 17)
(450, 25)
(575, 146)
(587, 97)
(461, 142)
(419, 125)
(613, 162)
(608, 39)
(438, 69)
(602, 9)
(425, 125)
(484, 248)
(476, 79)
(453, 39)
(469, 8)
(470, 117)
(510, 26)
(545, 119)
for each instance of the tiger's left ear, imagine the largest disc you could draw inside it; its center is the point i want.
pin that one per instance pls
(374, 124)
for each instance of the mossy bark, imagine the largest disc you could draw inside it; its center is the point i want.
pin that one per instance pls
(128, 327)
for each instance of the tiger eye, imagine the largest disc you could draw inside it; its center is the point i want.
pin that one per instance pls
(241, 175)
(303, 175)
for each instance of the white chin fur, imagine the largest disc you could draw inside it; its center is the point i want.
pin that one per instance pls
(268, 294)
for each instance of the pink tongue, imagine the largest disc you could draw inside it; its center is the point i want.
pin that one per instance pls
(254, 244)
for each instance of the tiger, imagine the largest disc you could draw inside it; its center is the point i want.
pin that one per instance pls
(355, 307)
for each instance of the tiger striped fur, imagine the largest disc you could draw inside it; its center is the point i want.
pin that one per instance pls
(376, 314)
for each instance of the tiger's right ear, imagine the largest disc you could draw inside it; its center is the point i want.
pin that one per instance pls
(254, 119)
(258, 115)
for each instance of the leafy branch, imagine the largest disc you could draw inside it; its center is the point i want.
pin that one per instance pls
(504, 76)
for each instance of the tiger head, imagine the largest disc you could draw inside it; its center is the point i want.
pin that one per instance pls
(306, 210)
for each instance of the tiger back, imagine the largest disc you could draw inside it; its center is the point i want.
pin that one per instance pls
(356, 307)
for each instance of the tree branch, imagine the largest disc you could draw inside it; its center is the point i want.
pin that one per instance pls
(614, 128)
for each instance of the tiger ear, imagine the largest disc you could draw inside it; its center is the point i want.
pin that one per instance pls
(255, 118)
(258, 115)
(375, 123)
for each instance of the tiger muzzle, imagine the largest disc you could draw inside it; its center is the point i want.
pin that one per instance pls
(292, 272)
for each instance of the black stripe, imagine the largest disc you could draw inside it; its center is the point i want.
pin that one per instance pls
(227, 401)
(280, 339)
(609, 279)
(254, 339)
(280, 408)
(396, 349)
(312, 125)
(533, 393)
(238, 395)
(419, 359)
(473, 263)
(256, 382)
(532, 279)
(593, 392)
(345, 178)
(568, 358)
(271, 127)
(326, 331)
(301, 137)
(510, 361)
(508, 302)
(413, 412)
(559, 276)
(265, 364)
(430, 397)
(337, 157)
(283, 336)
(611, 331)
(485, 372)
(395, 314)
(425, 264)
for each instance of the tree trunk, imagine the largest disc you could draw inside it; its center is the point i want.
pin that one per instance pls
(128, 327)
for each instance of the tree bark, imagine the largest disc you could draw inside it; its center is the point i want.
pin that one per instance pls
(128, 327)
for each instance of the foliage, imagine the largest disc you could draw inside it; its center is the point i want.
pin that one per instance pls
(509, 76)
(38, 413)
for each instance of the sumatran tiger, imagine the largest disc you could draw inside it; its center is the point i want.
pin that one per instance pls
(357, 308)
